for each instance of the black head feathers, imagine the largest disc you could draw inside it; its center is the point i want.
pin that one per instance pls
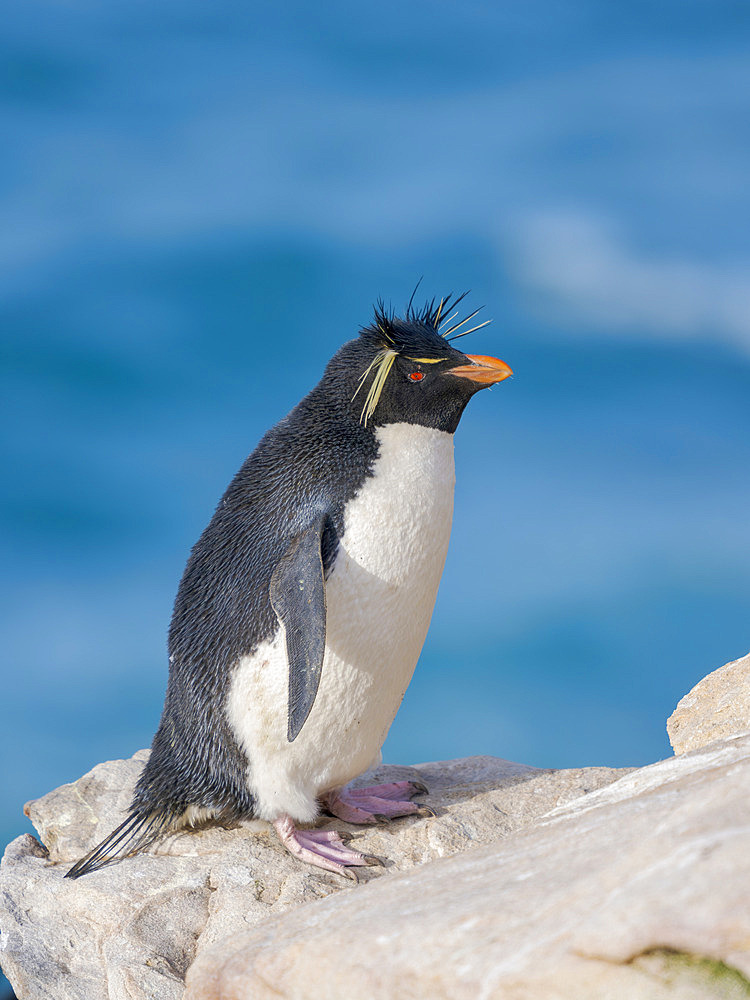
(433, 318)
(418, 340)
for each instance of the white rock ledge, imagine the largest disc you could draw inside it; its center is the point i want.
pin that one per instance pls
(528, 885)
(132, 930)
(645, 896)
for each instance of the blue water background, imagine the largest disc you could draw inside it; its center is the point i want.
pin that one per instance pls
(201, 202)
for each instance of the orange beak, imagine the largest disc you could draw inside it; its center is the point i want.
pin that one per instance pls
(483, 369)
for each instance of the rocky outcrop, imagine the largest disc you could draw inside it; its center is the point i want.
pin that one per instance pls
(527, 883)
(132, 930)
(717, 708)
(638, 890)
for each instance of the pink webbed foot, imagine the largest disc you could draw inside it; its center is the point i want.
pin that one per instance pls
(377, 802)
(322, 848)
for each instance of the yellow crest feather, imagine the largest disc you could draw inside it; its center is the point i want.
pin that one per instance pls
(381, 365)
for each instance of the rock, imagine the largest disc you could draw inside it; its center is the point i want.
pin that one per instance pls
(528, 885)
(132, 930)
(717, 708)
(72, 818)
(640, 890)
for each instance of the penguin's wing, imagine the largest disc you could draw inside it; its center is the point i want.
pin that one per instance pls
(298, 596)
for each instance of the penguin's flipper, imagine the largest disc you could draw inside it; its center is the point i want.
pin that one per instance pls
(298, 596)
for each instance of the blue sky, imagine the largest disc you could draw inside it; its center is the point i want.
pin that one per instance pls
(201, 203)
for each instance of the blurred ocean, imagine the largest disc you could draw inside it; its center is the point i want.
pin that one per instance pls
(201, 202)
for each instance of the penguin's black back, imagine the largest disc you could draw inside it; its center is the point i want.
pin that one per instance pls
(311, 463)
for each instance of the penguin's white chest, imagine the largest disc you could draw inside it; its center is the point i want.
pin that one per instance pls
(380, 596)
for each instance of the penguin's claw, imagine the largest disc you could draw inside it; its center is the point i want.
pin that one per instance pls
(372, 860)
(377, 803)
(426, 811)
(393, 790)
(322, 848)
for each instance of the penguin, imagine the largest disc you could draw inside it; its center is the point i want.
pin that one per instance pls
(305, 603)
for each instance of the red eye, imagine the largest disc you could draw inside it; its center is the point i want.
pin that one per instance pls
(416, 376)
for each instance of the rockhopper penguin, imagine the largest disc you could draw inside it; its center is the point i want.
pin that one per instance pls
(305, 603)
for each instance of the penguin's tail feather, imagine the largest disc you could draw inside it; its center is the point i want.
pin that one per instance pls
(137, 833)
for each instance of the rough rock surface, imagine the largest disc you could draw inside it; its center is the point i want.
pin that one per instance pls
(131, 931)
(717, 708)
(638, 890)
(589, 884)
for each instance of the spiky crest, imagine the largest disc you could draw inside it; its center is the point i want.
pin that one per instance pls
(417, 329)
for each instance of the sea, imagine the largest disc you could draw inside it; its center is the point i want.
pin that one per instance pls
(201, 202)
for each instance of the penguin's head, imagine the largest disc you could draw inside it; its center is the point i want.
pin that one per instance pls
(406, 370)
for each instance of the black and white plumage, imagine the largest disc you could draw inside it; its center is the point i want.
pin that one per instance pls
(305, 603)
